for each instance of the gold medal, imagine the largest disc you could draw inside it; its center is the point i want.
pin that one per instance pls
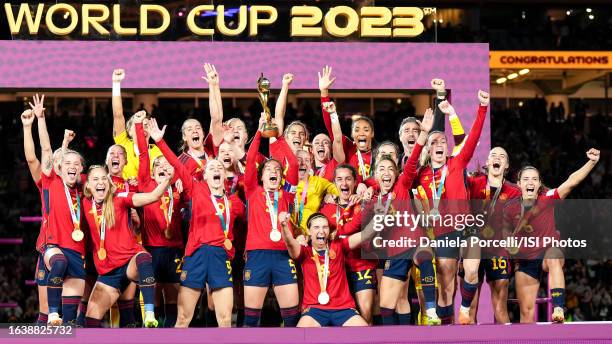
(168, 233)
(227, 244)
(102, 253)
(527, 228)
(77, 235)
(488, 232)
(332, 254)
(513, 250)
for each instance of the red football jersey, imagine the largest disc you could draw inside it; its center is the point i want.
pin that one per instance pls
(258, 217)
(120, 242)
(195, 165)
(205, 226)
(540, 219)
(454, 187)
(40, 240)
(337, 284)
(328, 170)
(155, 215)
(121, 184)
(483, 193)
(59, 224)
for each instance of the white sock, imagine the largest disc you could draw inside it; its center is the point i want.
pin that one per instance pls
(431, 312)
(465, 310)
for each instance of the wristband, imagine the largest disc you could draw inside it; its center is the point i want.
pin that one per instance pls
(116, 89)
(334, 117)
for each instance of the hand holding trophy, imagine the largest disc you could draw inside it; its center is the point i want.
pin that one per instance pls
(263, 91)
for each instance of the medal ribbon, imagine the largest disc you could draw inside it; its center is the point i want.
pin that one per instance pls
(272, 210)
(322, 274)
(225, 222)
(75, 214)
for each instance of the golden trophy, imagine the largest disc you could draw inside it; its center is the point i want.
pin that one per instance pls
(263, 91)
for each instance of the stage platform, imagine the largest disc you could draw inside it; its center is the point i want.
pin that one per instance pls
(592, 332)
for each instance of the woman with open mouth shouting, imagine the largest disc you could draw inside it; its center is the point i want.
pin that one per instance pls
(442, 176)
(209, 246)
(118, 256)
(489, 193)
(358, 150)
(533, 215)
(394, 196)
(327, 300)
(267, 261)
(64, 249)
(161, 232)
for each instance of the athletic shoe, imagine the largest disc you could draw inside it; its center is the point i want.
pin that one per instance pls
(432, 320)
(54, 320)
(558, 315)
(149, 320)
(464, 318)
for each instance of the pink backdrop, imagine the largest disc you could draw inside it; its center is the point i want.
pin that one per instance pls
(40, 65)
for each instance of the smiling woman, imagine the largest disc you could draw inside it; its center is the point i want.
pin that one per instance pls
(92, 17)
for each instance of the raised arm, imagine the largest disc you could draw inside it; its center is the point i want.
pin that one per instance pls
(577, 177)
(69, 136)
(46, 152)
(250, 170)
(144, 161)
(158, 136)
(142, 199)
(337, 138)
(215, 103)
(118, 119)
(27, 118)
(281, 103)
(325, 82)
(293, 246)
(355, 240)
(467, 151)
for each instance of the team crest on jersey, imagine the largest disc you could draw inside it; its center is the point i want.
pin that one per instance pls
(247, 275)
(41, 275)
(332, 254)
(503, 197)
(184, 275)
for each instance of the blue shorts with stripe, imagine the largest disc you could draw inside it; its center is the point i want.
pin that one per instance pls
(76, 262)
(264, 268)
(116, 278)
(207, 265)
(166, 261)
(330, 317)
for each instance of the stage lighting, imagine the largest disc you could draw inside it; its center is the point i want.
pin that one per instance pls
(591, 16)
(512, 76)
(501, 80)
(589, 10)
(569, 12)
(520, 104)
(523, 71)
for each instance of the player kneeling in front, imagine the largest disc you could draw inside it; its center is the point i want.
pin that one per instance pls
(327, 300)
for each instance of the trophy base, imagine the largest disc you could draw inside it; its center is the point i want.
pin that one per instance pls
(269, 131)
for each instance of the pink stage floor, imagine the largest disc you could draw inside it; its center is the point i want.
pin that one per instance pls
(598, 332)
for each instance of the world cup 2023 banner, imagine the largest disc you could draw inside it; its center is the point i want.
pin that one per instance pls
(359, 66)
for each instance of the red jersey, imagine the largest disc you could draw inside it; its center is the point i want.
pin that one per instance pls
(258, 217)
(40, 240)
(346, 221)
(205, 227)
(337, 285)
(361, 161)
(539, 222)
(121, 184)
(328, 170)
(59, 219)
(161, 215)
(120, 242)
(195, 165)
(235, 185)
(486, 203)
(454, 187)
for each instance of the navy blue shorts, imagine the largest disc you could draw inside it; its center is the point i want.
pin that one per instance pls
(532, 267)
(166, 261)
(207, 265)
(362, 280)
(330, 317)
(447, 251)
(398, 269)
(495, 268)
(264, 268)
(90, 266)
(76, 262)
(41, 271)
(116, 278)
